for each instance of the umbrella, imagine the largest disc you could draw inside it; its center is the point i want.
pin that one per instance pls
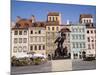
(39, 55)
(22, 56)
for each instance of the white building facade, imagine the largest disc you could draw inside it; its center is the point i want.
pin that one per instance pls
(19, 46)
(91, 42)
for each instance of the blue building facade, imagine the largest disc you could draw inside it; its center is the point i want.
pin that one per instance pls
(78, 40)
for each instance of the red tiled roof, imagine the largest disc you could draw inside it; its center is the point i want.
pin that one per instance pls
(85, 16)
(23, 23)
(39, 24)
(53, 14)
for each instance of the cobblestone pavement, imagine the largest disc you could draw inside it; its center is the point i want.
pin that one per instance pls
(83, 65)
(62, 65)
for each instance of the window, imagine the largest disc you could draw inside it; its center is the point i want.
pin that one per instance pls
(76, 36)
(48, 28)
(20, 40)
(91, 31)
(43, 39)
(31, 32)
(88, 31)
(88, 39)
(80, 30)
(20, 49)
(39, 32)
(43, 47)
(76, 45)
(16, 33)
(83, 37)
(52, 28)
(25, 40)
(15, 40)
(24, 49)
(53, 18)
(79, 36)
(35, 48)
(39, 47)
(92, 39)
(57, 28)
(89, 46)
(84, 21)
(40, 38)
(31, 47)
(56, 18)
(73, 45)
(25, 32)
(83, 45)
(73, 37)
(35, 39)
(76, 30)
(20, 32)
(31, 39)
(83, 29)
(49, 18)
(15, 49)
(89, 21)
(92, 46)
(73, 29)
(80, 45)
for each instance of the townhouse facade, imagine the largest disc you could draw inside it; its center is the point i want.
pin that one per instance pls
(78, 40)
(52, 29)
(37, 38)
(87, 19)
(19, 39)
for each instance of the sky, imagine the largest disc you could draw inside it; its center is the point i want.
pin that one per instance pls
(40, 10)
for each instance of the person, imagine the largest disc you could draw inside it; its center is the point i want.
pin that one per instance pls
(84, 54)
(49, 56)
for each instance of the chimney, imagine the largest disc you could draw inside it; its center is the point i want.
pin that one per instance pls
(18, 18)
(33, 18)
(12, 24)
